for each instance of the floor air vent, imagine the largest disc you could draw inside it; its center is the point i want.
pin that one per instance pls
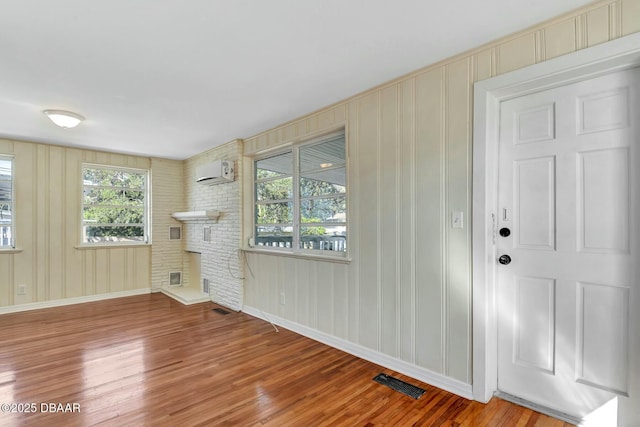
(221, 311)
(399, 385)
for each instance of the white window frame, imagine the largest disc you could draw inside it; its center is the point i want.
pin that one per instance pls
(146, 222)
(12, 224)
(296, 199)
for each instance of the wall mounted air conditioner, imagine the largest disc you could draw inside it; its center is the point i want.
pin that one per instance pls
(216, 172)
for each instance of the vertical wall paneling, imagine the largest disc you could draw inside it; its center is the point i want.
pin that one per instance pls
(117, 269)
(388, 220)
(458, 241)
(407, 222)
(54, 218)
(630, 13)
(596, 23)
(560, 38)
(517, 53)
(429, 205)
(142, 267)
(25, 198)
(324, 295)
(47, 203)
(412, 137)
(73, 276)
(6, 276)
(42, 225)
(89, 272)
(353, 212)
(368, 221)
(102, 271)
(341, 301)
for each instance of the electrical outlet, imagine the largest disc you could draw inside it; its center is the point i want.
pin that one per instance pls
(282, 298)
(22, 289)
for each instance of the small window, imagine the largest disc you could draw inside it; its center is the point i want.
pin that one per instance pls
(114, 208)
(301, 198)
(6, 203)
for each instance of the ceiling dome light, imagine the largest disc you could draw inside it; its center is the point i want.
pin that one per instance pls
(64, 119)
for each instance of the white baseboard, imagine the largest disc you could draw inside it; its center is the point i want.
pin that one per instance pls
(432, 378)
(74, 300)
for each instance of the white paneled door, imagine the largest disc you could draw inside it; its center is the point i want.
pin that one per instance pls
(569, 219)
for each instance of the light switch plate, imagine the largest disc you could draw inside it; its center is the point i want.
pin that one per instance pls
(457, 220)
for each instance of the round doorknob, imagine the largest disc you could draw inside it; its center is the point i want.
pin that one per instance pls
(505, 232)
(504, 259)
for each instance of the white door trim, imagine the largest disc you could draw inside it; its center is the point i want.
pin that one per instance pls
(616, 55)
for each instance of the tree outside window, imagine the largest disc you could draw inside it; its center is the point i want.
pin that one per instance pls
(114, 205)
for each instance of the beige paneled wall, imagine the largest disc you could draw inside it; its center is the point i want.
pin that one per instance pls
(407, 291)
(168, 196)
(48, 187)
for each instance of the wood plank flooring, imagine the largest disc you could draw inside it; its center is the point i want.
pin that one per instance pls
(149, 360)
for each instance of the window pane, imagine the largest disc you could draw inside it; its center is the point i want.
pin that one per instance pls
(325, 155)
(278, 189)
(113, 205)
(274, 236)
(100, 215)
(280, 165)
(5, 213)
(6, 170)
(332, 209)
(114, 234)
(274, 213)
(114, 178)
(113, 196)
(5, 235)
(5, 180)
(321, 238)
(322, 183)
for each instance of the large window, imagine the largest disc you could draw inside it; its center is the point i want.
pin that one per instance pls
(6, 202)
(300, 198)
(114, 208)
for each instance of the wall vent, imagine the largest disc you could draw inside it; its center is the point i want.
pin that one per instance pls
(175, 233)
(175, 278)
(205, 286)
(206, 234)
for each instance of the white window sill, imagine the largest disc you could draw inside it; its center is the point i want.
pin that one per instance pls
(299, 255)
(112, 245)
(10, 250)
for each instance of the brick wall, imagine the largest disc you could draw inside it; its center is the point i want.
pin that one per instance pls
(220, 261)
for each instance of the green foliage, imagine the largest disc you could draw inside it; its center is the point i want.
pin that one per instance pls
(312, 231)
(113, 196)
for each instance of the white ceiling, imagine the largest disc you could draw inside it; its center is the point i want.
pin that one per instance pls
(173, 78)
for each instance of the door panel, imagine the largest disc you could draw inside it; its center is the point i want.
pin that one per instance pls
(534, 206)
(603, 346)
(569, 192)
(534, 328)
(604, 214)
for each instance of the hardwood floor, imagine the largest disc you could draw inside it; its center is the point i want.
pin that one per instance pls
(149, 360)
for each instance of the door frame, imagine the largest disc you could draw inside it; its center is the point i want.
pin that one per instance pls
(616, 55)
